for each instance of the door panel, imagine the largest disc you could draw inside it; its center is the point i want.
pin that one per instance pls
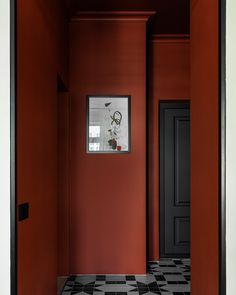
(174, 179)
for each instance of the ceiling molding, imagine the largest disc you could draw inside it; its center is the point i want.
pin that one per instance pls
(112, 15)
(167, 38)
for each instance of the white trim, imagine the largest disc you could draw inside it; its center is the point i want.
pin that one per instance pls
(231, 147)
(5, 147)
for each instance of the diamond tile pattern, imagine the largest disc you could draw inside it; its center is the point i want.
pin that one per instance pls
(166, 277)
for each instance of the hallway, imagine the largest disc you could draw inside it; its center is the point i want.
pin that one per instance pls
(96, 77)
(167, 277)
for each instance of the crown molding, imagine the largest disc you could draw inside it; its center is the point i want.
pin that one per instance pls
(112, 15)
(170, 38)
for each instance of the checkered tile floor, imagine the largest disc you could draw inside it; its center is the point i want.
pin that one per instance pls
(167, 277)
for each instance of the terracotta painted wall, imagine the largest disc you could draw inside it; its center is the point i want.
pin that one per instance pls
(42, 53)
(108, 192)
(204, 147)
(63, 182)
(169, 78)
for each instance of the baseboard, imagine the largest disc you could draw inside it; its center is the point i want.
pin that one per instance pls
(60, 284)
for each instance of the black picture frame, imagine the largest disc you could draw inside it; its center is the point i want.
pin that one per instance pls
(88, 151)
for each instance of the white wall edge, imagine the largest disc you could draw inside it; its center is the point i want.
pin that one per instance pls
(5, 147)
(231, 146)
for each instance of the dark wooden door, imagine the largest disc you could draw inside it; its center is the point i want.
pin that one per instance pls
(174, 179)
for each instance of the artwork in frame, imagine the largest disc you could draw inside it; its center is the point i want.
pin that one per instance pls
(108, 124)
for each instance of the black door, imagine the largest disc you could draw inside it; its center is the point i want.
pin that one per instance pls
(174, 179)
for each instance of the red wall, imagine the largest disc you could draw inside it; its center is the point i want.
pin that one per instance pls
(169, 76)
(204, 148)
(108, 192)
(41, 53)
(63, 183)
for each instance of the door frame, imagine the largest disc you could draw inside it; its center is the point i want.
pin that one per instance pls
(222, 145)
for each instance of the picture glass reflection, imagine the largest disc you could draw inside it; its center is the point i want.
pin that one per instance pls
(108, 124)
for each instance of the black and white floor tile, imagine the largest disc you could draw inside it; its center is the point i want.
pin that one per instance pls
(166, 277)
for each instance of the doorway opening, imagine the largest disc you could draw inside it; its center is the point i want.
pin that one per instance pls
(74, 282)
(174, 179)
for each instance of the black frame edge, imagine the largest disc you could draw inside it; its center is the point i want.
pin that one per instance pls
(13, 206)
(222, 145)
(161, 191)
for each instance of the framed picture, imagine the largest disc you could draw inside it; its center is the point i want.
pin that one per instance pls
(108, 124)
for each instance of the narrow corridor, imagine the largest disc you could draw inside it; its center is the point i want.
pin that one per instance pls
(167, 277)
